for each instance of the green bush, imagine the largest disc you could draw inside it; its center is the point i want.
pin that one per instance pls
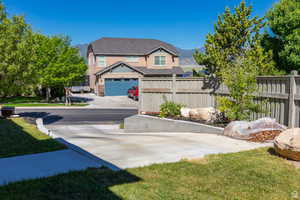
(170, 109)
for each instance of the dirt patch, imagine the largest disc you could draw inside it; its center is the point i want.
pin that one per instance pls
(197, 160)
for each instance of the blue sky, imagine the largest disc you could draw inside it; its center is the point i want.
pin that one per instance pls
(179, 22)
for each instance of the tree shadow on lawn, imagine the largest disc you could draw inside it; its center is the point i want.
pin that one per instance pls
(17, 140)
(93, 183)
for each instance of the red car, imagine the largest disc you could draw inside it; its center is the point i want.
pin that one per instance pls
(133, 93)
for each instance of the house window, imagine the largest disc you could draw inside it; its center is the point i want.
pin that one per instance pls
(160, 60)
(132, 59)
(102, 61)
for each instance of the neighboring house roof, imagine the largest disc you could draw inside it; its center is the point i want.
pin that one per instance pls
(130, 46)
(144, 70)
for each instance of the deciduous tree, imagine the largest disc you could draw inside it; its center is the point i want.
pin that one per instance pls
(284, 21)
(59, 63)
(18, 55)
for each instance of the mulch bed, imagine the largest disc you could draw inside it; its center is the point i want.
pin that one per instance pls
(220, 124)
(260, 137)
(264, 136)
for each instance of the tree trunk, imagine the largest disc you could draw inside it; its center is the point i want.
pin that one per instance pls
(67, 97)
(48, 94)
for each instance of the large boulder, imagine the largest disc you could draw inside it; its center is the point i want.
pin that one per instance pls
(244, 129)
(287, 144)
(185, 112)
(205, 113)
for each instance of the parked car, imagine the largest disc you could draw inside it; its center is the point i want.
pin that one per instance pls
(133, 93)
(129, 92)
(82, 89)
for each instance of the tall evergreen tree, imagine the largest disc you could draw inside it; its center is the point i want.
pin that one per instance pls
(236, 34)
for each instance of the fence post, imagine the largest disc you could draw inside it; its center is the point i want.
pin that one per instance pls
(173, 87)
(292, 107)
(140, 89)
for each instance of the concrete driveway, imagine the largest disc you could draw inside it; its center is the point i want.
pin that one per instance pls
(107, 101)
(126, 150)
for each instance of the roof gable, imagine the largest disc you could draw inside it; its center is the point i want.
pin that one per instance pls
(117, 68)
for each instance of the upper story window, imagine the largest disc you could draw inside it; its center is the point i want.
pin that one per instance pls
(160, 60)
(132, 59)
(101, 61)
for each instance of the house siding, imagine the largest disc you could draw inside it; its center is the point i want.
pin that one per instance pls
(171, 60)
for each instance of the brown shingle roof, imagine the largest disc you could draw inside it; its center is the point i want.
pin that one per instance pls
(130, 46)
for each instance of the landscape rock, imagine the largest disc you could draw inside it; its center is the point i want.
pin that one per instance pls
(245, 129)
(185, 112)
(287, 144)
(205, 113)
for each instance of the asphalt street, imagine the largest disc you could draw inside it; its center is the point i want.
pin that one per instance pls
(78, 116)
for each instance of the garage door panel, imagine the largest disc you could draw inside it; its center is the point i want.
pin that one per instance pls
(119, 87)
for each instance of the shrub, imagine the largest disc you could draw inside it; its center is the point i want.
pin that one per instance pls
(170, 109)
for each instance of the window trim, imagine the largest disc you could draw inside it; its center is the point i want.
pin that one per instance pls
(99, 60)
(160, 60)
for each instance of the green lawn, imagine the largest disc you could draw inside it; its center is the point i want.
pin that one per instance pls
(255, 174)
(44, 104)
(20, 99)
(17, 137)
(31, 102)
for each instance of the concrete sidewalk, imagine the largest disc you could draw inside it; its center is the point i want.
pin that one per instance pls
(33, 166)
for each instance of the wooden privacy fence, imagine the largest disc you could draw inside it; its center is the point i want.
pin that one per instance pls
(281, 92)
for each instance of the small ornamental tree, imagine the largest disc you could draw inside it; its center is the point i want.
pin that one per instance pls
(233, 54)
(241, 83)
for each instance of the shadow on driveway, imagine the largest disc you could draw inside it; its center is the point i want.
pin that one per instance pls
(48, 118)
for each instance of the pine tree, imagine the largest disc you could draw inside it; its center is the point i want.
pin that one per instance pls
(236, 34)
